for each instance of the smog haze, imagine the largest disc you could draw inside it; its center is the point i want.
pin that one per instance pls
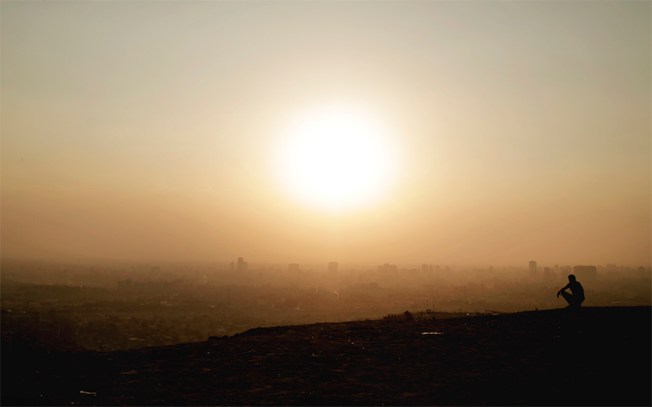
(358, 132)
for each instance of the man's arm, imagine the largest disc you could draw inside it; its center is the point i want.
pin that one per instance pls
(562, 289)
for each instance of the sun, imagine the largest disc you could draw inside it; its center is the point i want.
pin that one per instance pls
(336, 158)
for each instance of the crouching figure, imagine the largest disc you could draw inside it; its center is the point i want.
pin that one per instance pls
(576, 296)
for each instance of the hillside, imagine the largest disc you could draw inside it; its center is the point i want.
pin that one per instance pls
(597, 356)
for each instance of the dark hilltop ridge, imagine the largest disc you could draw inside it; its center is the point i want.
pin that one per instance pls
(595, 356)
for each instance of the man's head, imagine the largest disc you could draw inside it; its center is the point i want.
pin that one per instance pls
(571, 277)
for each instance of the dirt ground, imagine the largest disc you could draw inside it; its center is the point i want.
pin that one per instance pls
(595, 356)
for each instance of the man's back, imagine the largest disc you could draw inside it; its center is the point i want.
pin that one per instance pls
(576, 296)
(577, 289)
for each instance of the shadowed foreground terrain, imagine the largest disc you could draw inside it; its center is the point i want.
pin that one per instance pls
(597, 356)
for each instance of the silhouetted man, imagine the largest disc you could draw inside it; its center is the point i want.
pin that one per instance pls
(576, 296)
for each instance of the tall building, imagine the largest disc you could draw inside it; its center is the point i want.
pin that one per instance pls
(564, 271)
(585, 272)
(533, 267)
(332, 267)
(242, 265)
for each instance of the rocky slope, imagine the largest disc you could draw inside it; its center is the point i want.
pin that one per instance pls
(596, 356)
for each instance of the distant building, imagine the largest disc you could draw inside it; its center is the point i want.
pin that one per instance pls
(387, 268)
(585, 272)
(533, 267)
(564, 271)
(293, 267)
(332, 267)
(242, 265)
(611, 268)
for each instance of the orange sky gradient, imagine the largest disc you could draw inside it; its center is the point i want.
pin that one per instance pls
(148, 130)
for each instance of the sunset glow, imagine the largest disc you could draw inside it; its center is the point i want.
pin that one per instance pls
(336, 159)
(479, 132)
(323, 202)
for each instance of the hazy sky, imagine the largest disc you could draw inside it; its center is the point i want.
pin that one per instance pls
(148, 130)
